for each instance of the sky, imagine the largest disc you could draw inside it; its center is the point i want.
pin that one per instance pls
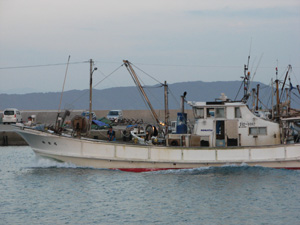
(166, 40)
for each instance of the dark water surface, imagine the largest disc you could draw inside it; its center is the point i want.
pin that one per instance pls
(41, 191)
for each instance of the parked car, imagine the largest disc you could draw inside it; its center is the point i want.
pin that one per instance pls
(86, 114)
(11, 115)
(115, 115)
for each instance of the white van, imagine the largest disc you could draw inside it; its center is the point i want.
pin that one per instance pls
(115, 115)
(11, 116)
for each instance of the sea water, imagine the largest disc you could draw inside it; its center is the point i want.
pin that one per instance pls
(41, 191)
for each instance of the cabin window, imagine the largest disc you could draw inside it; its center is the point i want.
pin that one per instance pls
(257, 131)
(237, 112)
(210, 112)
(199, 113)
(220, 113)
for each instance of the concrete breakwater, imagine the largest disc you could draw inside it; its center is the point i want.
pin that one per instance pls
(49, 116)
(9, 138)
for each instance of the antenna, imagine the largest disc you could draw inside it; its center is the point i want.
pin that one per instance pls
(255, 72)
(246, 77)
(277, 70)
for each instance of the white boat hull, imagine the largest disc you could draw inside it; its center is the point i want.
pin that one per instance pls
(113, 155)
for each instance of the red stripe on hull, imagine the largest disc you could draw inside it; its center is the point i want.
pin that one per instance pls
(139, 170)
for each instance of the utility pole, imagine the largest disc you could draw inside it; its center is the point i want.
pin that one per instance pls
(91, 88)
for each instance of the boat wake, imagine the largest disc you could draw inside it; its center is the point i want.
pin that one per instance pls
(41, 162)
(231, 168)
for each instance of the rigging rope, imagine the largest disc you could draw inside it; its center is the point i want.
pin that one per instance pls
(62, 91)
(296, 96)
(249, 88)
(108, 75)
(148, 64)
(283, 73)
(96, 85)
(140, 91)
(160, 84)
(295, 77)
(262, 104)
(32, 66)
(157, 86)
(239, 90)
(148, 74)
(178, 104)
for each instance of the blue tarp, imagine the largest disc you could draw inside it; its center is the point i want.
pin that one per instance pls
(99, 123)
(129, 126)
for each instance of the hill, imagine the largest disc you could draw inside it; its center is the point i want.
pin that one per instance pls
(127, 97)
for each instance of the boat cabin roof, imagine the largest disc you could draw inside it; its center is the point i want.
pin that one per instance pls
(215, 103)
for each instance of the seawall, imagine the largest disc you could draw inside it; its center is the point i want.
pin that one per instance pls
(49, 116)
(9, 138)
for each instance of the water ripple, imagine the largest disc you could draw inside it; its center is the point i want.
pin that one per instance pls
(42, 191)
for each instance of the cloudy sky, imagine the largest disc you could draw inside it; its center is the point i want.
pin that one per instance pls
(172, 40)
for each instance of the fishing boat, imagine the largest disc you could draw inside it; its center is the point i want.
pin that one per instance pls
(225, 132)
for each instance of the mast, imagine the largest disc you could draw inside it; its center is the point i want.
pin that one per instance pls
(272, 98)
(290, 94)
(253, 99)
(286, 75)
(257, 96)
(277, 99)
(277, 95)
(247, 77)
(58, 121)
(288, 105)
(62, 91)
(246, 81)
(166, 107)
(141, 89)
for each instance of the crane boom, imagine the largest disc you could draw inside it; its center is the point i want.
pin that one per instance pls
(141, 89)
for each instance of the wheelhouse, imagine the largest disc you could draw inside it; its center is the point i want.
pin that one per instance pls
(222, 123)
